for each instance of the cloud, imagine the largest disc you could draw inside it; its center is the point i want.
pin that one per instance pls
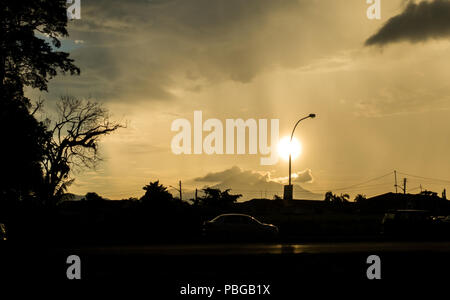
(303, 176)
(252, 184)
(417, 23)
(149, 48)
(152, 50)
(230, 176)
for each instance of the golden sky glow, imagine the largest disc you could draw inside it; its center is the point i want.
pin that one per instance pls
(379, 109)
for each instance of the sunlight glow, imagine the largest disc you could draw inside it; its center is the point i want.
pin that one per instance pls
(285, 147)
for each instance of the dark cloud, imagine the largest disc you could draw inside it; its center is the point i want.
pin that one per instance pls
(148, 49)
(140, 48)
(215, 40)
(253, 184)
(193, 18)
(418, 22)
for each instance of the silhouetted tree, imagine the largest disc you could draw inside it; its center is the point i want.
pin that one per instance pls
(27, 59)
(218, 199)
(74, 142)
(92, 196)
(229, 198)
(336, 200)
(344, 198)
(360, 198)
(156, 194)
(131, 199)
(23, 139)
(329, 197)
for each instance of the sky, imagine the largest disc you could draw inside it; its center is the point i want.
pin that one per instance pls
(378, 86)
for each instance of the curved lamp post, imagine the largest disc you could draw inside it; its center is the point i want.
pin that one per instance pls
(288, 189)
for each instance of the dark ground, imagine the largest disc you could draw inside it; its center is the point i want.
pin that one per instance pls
(122, 246)
(288, 268)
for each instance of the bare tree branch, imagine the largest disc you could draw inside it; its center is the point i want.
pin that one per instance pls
(38, 106)
(75, 139)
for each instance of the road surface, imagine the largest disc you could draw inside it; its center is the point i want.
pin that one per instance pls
(281, 265)
(264, 249)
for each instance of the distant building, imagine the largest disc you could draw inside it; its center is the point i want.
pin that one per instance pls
(424, 201)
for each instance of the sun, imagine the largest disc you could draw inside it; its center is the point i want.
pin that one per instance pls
(285, 146)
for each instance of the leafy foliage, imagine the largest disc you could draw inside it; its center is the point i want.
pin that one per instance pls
(217, 199)
(335, 199)
(23, 140)
(156, 194)
(26, 57)
(92, 196)
(360, 198)
(30, 33)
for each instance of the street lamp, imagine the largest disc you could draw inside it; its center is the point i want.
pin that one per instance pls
(178, 190)
(288, 189)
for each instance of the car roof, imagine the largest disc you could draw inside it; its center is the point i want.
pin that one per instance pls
(411, 210)
(233, 214)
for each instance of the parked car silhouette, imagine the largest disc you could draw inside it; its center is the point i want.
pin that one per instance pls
(407, 222)
(238, 226)
(442, 219)
(441, 226)
(3, 232)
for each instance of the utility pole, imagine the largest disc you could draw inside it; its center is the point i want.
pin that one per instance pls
(195, 198)
(178, 190)
(404, 185)
(395, 178)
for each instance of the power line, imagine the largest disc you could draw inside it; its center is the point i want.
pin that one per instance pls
(370, 186)
(416, 188)
(353, 187)
(428, 178)
(361, 183)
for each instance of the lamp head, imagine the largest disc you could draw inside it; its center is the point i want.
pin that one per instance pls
(312, 115)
